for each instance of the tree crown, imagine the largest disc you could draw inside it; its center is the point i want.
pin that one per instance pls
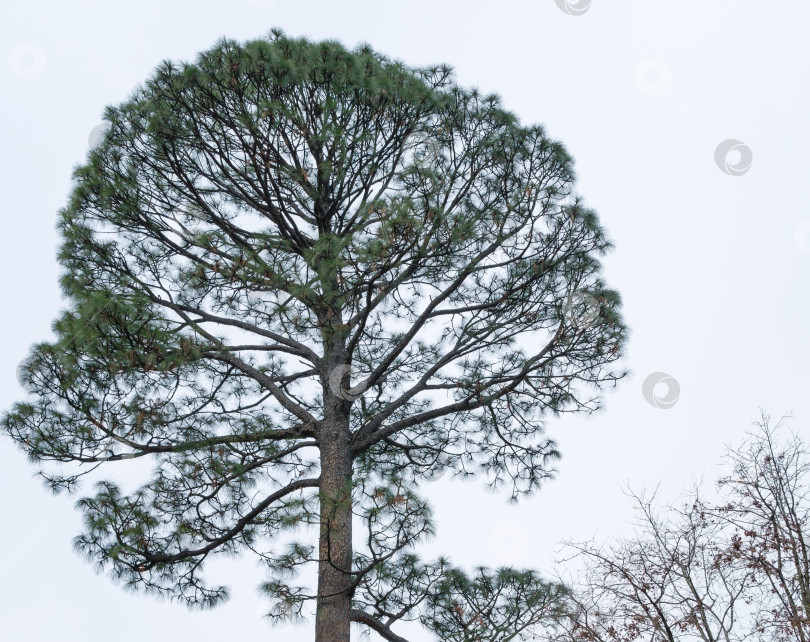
(283, 234)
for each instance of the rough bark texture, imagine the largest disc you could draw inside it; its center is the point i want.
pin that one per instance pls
(333, 612)
(334, 598)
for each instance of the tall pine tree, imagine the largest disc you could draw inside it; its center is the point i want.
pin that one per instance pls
(303, 281)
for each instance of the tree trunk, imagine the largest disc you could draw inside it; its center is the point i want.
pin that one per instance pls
(335, 547)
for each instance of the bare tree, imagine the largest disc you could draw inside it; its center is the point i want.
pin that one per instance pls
(729, 570)
(673, 580)
(768, 506)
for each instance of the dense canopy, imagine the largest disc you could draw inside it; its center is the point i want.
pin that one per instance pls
(302, 281)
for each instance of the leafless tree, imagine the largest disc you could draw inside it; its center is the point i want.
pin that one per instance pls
(732, 569)
(769, 508)
(672, 580)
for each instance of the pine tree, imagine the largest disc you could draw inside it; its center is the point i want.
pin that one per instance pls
(304, 281)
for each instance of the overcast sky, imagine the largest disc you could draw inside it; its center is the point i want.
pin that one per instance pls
(689, 124)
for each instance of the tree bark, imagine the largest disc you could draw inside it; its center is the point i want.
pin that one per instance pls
(332, 619)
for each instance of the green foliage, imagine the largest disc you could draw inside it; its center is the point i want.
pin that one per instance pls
(493, 606)
(260, 218)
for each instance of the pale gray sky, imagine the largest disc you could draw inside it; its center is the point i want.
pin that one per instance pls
(713, 266)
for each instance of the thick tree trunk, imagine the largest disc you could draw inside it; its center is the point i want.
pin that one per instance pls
(333, 611)
(334, 599)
